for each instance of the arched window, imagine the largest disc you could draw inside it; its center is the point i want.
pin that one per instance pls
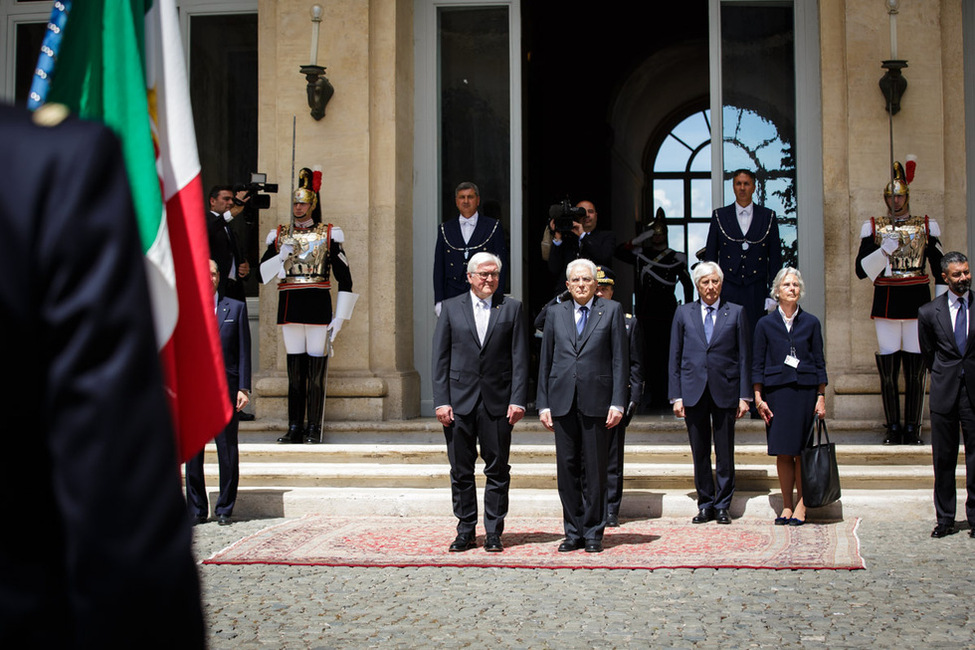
(678, 175)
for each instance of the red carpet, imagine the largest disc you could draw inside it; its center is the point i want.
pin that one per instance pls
(532, 543)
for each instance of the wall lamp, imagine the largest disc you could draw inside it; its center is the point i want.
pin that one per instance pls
(320, 90)
(893, 84)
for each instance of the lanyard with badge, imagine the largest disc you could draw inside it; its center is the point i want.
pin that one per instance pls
(791, 359)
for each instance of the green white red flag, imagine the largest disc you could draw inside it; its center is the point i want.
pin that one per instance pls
(121, 62)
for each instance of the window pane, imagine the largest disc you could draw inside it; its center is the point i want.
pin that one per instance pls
(671, 157)
(693, 130)
(700, 198)
(223, 92)
(669, 195)
(30, 36)
(758, 76)
(475, 127)
(702, 160)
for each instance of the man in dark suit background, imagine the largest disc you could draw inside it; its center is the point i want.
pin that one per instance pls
(459, 239)
(605, 288)
(743, 239)
(480, 380)
(710, 386)
(582, 393)
(235, 339)
(105, 560)
(945, 334)
(224, 245)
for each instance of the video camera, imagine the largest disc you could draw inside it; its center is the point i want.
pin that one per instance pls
(254, 191)
(564, 215)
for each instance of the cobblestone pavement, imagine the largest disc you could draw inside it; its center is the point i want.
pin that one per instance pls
(915, 592)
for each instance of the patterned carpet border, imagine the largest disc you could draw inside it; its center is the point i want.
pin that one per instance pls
(318, 540)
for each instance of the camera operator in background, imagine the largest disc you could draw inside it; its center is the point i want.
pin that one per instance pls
(574, 235)
(225, 249)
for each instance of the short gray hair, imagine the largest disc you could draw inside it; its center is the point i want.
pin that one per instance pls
(467, 185)
(483, 257)
(580, 261)
(780, 278)
(706, 268)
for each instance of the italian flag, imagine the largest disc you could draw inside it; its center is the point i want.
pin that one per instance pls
(121, 62)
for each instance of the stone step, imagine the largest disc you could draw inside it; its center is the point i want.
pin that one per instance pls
(531, 454)
(644, 429)
(911, 506)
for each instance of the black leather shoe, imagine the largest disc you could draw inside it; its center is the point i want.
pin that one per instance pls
(971, 531)
(294, 436)
(462, 543)
(943, 530)
(612, 520)
(570, 545)
(703, 516)
(223, 520)
(492, 543)
(594, 547)
(723, 516)
(199, 519)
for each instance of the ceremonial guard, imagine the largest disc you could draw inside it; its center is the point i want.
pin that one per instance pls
(894, 250)
(660, 268)
(302, 255)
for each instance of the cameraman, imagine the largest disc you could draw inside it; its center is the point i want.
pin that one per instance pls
(583, 241)
(224, 246)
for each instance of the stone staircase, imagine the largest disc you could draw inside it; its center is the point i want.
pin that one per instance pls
(400, 468)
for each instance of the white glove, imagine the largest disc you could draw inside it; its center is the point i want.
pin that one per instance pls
(770, 304)
(436, 309)
(271, 237)
(286, 250)
(642, 237)
(335, 328)
(889, 245)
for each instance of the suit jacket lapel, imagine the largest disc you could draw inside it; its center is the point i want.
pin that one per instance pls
(467, 308)
(595, 314)
(496, 302)
(697, 322)
(222, 309)
(757, 227)
(943, 319)
(720, 319)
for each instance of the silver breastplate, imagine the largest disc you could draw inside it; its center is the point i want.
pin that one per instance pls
(309, 263)
(911, 235)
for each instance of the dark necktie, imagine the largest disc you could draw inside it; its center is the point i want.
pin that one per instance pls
(583, 318)
(709, 324)
(961, 326)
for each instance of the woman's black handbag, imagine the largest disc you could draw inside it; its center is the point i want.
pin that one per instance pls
(820, 475)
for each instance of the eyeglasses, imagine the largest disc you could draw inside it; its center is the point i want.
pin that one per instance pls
(487, 276)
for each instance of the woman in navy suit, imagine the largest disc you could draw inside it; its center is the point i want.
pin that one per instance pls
(789, 379)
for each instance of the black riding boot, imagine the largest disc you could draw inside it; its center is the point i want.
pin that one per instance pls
(889, 365)
(915, 374)
(316, 398)
(297, 389)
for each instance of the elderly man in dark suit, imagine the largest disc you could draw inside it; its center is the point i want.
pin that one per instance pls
(582, 393)
(480, 383)
(106, 560)
(945, 333)
(235, 339)
(743, 239)
(710, 387)
(459, 239)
